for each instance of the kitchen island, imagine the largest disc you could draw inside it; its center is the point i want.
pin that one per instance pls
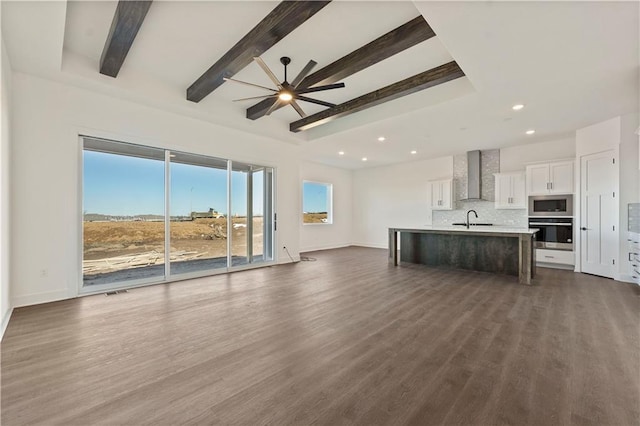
(495, 249)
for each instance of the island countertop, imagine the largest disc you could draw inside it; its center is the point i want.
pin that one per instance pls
(497, 249)
(496, 229)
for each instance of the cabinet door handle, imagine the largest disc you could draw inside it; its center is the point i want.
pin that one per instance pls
(550, 257)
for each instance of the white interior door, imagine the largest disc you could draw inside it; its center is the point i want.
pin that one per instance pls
(599, 239)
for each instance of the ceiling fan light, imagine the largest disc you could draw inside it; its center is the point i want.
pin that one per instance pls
(285, 96)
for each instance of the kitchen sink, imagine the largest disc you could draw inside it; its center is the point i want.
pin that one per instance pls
(472, 224)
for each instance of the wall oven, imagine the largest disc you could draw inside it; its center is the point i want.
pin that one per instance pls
(551, 205)
(555, 233)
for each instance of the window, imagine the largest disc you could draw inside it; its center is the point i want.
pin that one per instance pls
(151, 214)
(317, 203)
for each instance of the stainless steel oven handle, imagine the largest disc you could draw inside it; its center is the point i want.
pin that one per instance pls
(550, 224)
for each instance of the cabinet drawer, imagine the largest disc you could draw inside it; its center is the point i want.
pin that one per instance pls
(555, 256)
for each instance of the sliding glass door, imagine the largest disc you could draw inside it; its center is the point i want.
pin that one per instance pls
(251, 188)
(150, 215)
(123, 213)
(198, 194)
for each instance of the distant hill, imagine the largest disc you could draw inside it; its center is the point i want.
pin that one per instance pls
(98, 217)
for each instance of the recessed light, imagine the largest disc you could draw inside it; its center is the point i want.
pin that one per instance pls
(517, 107)
(414, 152)
(340, 152)
(530, 132)
(364, 158)
(381, 139)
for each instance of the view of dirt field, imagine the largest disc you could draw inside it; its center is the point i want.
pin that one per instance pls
(314, 217)
(200, 238)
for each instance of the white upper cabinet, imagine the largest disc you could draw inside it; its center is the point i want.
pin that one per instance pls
(510, 191)
(561, 177)
(538, 179)
(550, 178)
(441, 194)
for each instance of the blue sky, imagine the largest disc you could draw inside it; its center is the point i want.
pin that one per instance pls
(315, 197)
(127, 186)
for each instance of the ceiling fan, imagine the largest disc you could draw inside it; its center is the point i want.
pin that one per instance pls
(288, 93)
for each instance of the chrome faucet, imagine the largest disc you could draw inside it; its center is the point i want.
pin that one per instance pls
(474, 212)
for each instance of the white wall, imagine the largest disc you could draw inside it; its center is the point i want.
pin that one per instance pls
(337, 234)
(629, 184)
(46, 211)
(5, 188)
(515, 158)
(393, 196)
(397, 195)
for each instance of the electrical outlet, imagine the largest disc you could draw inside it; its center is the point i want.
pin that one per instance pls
(44, 272)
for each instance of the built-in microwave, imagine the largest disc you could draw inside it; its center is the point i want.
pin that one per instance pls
(551, 205)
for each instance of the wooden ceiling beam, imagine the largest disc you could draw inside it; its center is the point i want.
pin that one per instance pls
(430, 78)
(125, 25)
(405, 36)
(284, 18)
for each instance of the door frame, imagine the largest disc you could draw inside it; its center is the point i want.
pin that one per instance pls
(81, 290)
(577, 215)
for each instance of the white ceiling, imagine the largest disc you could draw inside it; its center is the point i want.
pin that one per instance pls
(570, 63)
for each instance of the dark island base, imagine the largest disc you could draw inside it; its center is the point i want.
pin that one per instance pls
(478, 253)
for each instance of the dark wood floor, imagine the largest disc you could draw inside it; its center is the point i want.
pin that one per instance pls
(346, 339)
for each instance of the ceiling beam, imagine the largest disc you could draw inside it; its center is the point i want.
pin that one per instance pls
(284, 18)
(405, 36)
(125, 25)
(430, 78)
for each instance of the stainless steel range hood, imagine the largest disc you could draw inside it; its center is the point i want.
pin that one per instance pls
(474, 180)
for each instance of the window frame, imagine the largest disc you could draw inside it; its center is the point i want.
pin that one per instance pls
(83, 290)
(329, 203)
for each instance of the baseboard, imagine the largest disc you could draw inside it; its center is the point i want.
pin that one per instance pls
(626, 279)
(285, 260)
(5, 322)
(369, 245)
(327, 247)
(38, 298)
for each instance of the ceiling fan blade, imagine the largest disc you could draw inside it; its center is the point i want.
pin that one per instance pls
(315, 101)
(249, 84)
(307, 68)
(266, 69)
(276, 104)
(299, 110)
(256, 97)
(321, 88)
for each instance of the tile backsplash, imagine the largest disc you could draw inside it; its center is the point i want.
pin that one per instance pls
(487, 213)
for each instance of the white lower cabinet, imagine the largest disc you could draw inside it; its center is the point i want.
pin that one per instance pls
(557, 257)
(633, 256)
